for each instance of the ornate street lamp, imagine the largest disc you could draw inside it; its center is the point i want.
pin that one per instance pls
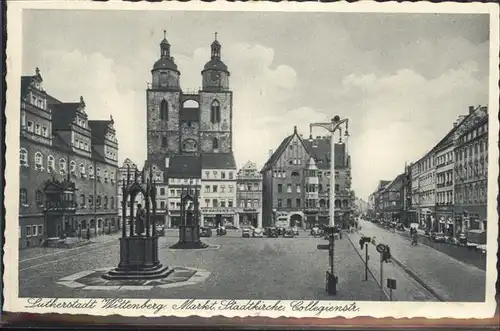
(332, 127)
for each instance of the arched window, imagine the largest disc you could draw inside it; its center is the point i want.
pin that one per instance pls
(215, 143)
(38, 161)
(105, 202)
(82, 169)
(98, 201)
(82, 200)
(51, 163)
(112, 203)
(91, 200)
(345, 204)
(337, 204)
(189, 145)
(91, 171)
(39, 198)
(23, 196)
(23, 157)
(295, 174)
(62, 166)
(72, 167)
(215, 112)
(164, 110)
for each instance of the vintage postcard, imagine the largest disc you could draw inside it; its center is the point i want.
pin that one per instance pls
(252, 159)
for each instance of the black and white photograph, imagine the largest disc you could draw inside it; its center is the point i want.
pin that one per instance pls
(251, 160)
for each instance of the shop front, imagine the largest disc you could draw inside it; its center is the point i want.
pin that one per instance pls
(249, 217)
(471, 218)
(445, 220)
(216, 217)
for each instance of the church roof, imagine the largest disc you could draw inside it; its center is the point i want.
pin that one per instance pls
(165, 63)
(184, 166)
(216, 64)
(63, 115)
(99, 129)
(218, 161)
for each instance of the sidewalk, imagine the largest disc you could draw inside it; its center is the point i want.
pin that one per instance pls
(407, 289)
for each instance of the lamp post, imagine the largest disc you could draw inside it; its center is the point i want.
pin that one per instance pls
(332, 127)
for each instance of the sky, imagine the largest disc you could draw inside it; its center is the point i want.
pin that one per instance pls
(401, 79)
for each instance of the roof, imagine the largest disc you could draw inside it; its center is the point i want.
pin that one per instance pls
(165, 63)
(277, 153)
(184, 166)
(99, 129)
(399, 178)
(218, 161)
(215, 64)
(63, 115)
(189, 114)
(25, 83)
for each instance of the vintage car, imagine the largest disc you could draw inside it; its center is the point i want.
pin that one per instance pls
(438, 237)
(258, 233)
(288, 233)
(160, 230)
(316, 231)
(246, 232)
(265, 232)
(205, 232)
(273, 233)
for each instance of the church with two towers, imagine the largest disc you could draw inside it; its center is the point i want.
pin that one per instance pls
(190, 134)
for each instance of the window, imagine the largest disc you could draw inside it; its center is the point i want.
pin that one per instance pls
(91, 171)
(215, 112)
(23, 197)
(297, 203)
(230, 188)
(162, 204)
(215, 203)
(91, 200)
(112, 203)
(164, 142)
(230, 203)
(222, 188)
(215, 143)
(162, 191)
(164, 110)
(45, 131)
(214, 188)
(222, 175)
(223, 204)
(105, 202)
(38, 129)
(30, 126)
(295, 174)
(280, 188)
(28, 231)
(337, 187)
(51, 163)
(85, 146)
(256, 203)
(23, 157)
(242, 204)
(280, 203)
(62, 166)
(98, 172)
(98, 201)
(207, 174)
(40, 230)
(72, 167)
(297, 188)
(231, 175)
(82, 200)
(39, 198)
(289, 188)
(82, 170)
(38, 160)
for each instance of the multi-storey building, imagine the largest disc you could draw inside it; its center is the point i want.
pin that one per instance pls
(426, 189)
(392, 199)
(471, 170)
(288, 170)
(249, 195)
(413, 212)
(378, 202)
(193, 130)
(407, 214)
(128, 169)
(218, 194)
(68, 175)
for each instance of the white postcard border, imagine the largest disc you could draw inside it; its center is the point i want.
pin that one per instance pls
(375, 309)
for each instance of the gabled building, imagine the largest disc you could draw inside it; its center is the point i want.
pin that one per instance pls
(60, 144)
(287, 183)
(249, 195)
(393, 199)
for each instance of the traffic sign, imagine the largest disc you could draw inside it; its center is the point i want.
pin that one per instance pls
(323, 247)
(380, 248)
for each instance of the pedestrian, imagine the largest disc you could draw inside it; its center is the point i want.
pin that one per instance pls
(88, 234)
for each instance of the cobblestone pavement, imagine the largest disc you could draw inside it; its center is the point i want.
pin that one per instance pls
(241, 268)
(449, 278)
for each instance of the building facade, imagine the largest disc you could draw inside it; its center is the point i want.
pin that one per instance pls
(291, 193)
(444, 157)
(194, 131)
(249, 195)
(62, 149)
(426, 190)
(393, 199)
(471, 171)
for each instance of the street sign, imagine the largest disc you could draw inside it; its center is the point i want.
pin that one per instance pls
(391, 283)
(323, 247)
(380, 248)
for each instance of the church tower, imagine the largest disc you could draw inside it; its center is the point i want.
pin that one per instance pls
(216, 103)
(163, 103)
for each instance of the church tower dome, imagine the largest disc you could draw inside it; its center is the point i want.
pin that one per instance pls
(165, 72)
(215, 72)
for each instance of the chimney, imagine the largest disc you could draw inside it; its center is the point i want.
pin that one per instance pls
(270, 152)
(471, 109)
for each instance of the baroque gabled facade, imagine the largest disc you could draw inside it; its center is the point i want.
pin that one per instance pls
(296, 183)
(62, 148)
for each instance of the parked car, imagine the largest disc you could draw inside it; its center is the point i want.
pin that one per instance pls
(245, 232)
(438, 237)
(266, 231)
(160, 230)
(273, 233)
(288, 233)
(316, 231)
(205, 232)
(258, 233)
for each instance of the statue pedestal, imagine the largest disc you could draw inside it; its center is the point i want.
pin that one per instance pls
(189, 238)
(138, 260)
